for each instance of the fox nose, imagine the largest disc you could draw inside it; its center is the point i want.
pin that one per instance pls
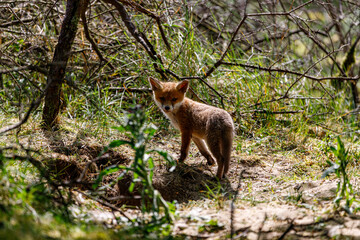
(167, 108)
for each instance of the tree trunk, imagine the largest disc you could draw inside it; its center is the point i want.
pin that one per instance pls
(1, 82)
(355, 94)
(57, 68)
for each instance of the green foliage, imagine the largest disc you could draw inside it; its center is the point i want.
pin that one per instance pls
(217, 192)
(32, 207)
(28, 209)
(211, 226)
(339, 167)
(33, 197)
(139, 133)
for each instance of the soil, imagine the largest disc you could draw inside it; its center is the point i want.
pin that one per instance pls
(274, 196)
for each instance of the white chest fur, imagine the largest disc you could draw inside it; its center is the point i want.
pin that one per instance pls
(173, 119)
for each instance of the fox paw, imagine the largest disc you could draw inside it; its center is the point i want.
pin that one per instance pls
(210, 162)
(180, 160)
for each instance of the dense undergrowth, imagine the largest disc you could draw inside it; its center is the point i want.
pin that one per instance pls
(271, 81)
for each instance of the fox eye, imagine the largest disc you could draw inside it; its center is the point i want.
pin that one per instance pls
(162, 99)
(174, 99)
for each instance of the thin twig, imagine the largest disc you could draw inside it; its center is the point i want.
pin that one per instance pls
(262, 226)
(244, 65)
(319, 45)
(15, 22)
(232, 209)
(288, 229)
(89, 38)
(198, 78)
(88, 165)
(218, 63)
(273, 37)
(34, 104)
(274, 112)
(280, 13)
(130, 89)
(309, 68)
(105, 203)
(139, 36)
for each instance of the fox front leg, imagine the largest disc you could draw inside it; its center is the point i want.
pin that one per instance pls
(185, 145)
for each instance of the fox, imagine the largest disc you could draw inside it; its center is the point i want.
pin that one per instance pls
(210, 128)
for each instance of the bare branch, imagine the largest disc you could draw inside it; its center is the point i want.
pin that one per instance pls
(131, 89)
(218, 63)
(15, 22)
(139, 8)
(32, 107)
(280, 13)
(244, 65)
(319, 45)
(30, 67)
(34, 104)
(309, 68)
(139, 36)
(89, 38)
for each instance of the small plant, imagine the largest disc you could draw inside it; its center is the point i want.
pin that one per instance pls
(138, 133)
(216, 192)
(296, 198)
(211, 226)
(344, 188)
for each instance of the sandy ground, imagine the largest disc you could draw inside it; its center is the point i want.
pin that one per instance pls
(275, 194)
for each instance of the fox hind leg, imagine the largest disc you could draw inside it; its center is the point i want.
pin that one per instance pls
(221, 150)
(201, 145)
(226, 147)
(215, 148)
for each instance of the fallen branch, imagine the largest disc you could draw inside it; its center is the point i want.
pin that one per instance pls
(29, 67)
(82, 175)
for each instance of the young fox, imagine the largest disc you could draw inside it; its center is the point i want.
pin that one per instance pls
(209, 127)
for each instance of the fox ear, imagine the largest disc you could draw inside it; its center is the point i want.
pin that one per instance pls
(183, 86)
(155, 84)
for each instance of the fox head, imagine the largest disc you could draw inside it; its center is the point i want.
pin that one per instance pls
(168, 95)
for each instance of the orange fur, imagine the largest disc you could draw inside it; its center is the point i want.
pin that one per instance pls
(210, 128)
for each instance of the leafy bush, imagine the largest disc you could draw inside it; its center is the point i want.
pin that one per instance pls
(142, 167)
